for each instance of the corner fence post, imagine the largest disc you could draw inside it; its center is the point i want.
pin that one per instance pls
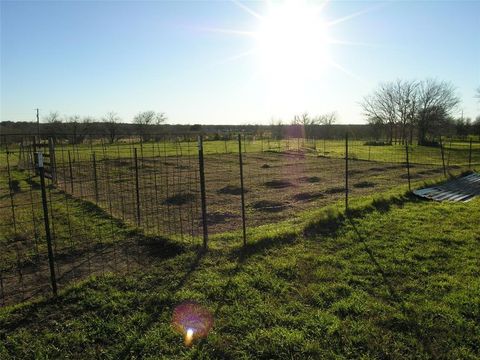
(470, 156)
(346, 172)
(408, 166)
(202, 191)
(242, 189)
(137, 188)
(48, 236)
(443, 157)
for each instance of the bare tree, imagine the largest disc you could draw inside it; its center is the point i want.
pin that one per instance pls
(54, 124)
(74, 125)
(111, 121)
(52, 117)
(145, 120)
(381, 108)
(401, 106)
(476, 127)
(326, 119)
(436, 101)
(277, 128)
(405, 97)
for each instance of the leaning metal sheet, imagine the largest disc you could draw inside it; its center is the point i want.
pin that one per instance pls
(460, 189)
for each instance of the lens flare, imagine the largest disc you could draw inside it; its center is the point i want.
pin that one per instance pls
(192, 320)
(189, 337)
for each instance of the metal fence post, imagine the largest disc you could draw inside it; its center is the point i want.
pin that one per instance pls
(443, 157)
(346, 172)
(48, 236)
(470, 156)
(71, 172)
(53, 162)
(10, 188)
(137, 189)
(408, 165)
(242, 189)
(202, 191)
(94, 160)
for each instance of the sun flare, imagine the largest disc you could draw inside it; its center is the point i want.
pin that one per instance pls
(291, 45)
(292, 42)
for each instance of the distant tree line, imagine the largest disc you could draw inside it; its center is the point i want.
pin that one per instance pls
(397, 111)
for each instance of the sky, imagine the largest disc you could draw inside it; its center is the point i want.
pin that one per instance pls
(229, 62)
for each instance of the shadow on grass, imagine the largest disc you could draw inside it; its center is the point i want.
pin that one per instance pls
(395, 297)
(157, 307)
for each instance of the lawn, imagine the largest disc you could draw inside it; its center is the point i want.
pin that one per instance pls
(399, 279)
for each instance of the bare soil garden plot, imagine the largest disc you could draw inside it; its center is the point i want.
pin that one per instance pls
(277, 186)
(93, 200)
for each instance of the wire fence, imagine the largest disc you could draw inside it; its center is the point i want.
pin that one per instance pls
(71, 210)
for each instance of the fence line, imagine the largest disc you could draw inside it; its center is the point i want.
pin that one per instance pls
(105, 207)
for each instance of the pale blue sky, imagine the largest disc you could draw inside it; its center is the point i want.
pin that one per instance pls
(89, 58)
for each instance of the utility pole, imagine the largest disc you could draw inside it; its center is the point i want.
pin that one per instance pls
(38, 124)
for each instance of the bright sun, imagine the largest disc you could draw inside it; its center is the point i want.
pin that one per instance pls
(291, 45)
(292, 42)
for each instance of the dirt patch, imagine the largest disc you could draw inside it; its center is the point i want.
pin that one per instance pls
(278, 184)
(378, 169)
(269, 206)
(179, 199)
(412, 176)
(15, 186)
(307, 196)
(364, 184)
(310, 179)
(219, 217)
(121, 162)
(335, 190)
(232, 190)
(353, 172)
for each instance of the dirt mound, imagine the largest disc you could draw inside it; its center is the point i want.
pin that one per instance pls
(179, 199)
(307, 196)
(364, 184)
(269, 206)
(310, 179)
(278, 184)
(335, 190)
(231, 190)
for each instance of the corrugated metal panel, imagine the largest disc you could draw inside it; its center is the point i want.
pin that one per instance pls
(461, 189)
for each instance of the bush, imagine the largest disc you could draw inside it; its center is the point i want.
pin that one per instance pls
(377, 143)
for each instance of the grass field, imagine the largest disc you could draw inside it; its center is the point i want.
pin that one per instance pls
(399, 280)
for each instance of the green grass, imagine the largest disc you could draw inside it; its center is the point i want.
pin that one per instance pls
(400, 280)
(456, 151)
